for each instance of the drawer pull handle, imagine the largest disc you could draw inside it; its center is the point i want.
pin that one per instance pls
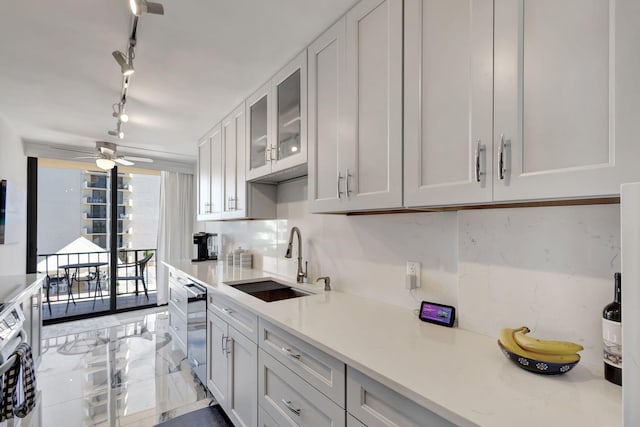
(228, 311)
(290, 353)
(223, 341)
(287, 403)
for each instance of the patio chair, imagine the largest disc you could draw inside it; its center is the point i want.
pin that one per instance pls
(140, 267)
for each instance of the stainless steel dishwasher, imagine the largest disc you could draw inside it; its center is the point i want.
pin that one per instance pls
(197, 329)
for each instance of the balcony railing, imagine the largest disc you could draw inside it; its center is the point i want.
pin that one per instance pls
(83, 277)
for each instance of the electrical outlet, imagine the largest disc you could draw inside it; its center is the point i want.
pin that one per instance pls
(412, 275)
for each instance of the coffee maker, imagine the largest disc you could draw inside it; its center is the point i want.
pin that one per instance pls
(206, 246)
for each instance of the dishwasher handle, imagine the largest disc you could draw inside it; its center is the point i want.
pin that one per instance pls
(195, 292)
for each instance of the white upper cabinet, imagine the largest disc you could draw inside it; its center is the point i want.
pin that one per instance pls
(209, 178)
(277, 123)
(448, 102)
(566, 88)
(327, 71)
(521, 101)
(356, 111)
(233, 173)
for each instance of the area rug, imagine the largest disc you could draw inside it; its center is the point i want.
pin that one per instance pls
(211, 416)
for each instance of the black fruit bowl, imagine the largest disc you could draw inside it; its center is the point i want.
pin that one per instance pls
(538, 366)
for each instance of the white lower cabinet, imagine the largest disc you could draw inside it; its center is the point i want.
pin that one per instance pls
(231, 371)
(265, 420)
(291, 401)
(353, 421)
(324, 372)
(376, 405)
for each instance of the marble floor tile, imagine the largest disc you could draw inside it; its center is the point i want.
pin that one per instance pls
(121, 370)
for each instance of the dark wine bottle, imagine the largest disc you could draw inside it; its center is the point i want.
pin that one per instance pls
(612, 334)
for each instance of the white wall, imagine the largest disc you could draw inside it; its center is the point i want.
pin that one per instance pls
(548, 268)
(13, 168)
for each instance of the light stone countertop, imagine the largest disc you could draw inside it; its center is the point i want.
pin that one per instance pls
(460, 375)
(12, 288)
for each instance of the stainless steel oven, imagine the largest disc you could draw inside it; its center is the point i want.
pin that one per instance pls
(197, 329)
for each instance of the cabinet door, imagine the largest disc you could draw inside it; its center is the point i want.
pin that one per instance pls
(204, 178)
(566, 88)
(233, 148)
(371, 163)
(217, 361)
(242, 404)
(327, 62)
(259, 143)
(289, 97)
(448, 102)
(36, 324)
(216, 172)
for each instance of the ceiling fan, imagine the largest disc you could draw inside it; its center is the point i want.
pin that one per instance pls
(106, 157)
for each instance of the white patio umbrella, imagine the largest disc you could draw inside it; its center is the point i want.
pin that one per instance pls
(73, 253)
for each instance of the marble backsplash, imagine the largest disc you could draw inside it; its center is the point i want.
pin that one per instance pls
(549, 268)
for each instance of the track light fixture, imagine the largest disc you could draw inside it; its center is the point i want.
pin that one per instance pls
(138, 7)
(125, 61)
(126, 67)
(118, 133)
(118, 112)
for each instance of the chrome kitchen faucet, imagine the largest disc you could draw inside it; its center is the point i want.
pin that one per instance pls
(301, 274)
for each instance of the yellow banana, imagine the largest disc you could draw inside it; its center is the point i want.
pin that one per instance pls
(545, 346)
(508, 341)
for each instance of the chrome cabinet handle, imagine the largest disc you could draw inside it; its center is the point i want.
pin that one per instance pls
(502, 169)
(338, 192)
(287, 403)
(290, 353)
(223, 344)
(346, 180)
(274, 156)
(479, 148)
(227, 311)
(267, 154)
(227, 347)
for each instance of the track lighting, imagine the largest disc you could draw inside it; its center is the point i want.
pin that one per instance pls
(125, 67)
(138, 7)
(123, 117)
(117, 133)
(105, 163)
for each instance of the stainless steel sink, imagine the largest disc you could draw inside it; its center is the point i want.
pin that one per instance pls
(268, 290)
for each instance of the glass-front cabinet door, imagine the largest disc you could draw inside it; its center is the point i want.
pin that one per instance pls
(277, 121)
(259, 130)
(290, 114)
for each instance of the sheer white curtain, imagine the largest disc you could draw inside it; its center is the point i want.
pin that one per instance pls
(175, 227)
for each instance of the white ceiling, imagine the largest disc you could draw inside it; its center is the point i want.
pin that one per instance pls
(58, 80)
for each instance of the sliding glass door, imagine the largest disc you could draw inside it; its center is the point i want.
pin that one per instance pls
(95, 238)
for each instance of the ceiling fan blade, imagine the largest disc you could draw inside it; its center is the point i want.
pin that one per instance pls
(88, 151)
(124, 162)
(138, 159)
(85, 157)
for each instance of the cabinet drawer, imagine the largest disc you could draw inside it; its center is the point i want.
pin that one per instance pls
(265, 420)
(378, 406)
(178, 327)
(353, 421)
(240, 318)
(322, 371)
(290, 401)
(177, 293)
